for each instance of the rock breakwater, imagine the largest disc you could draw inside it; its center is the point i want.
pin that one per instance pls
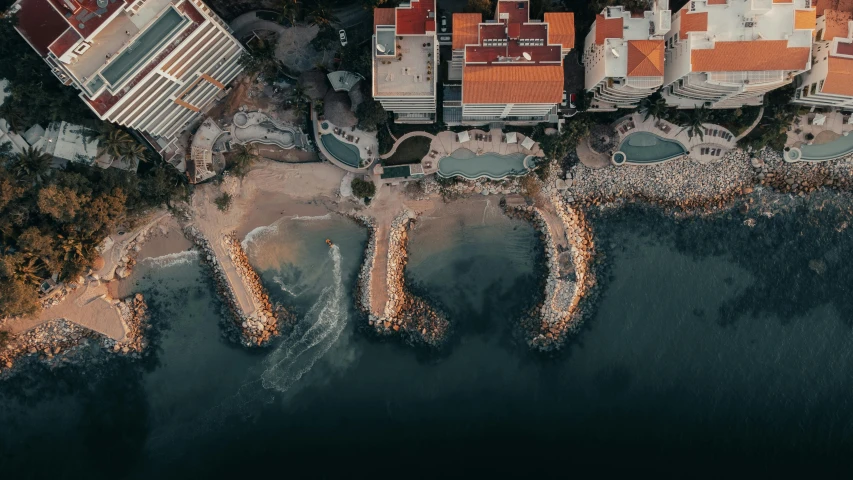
(405, 314)
(255, 328)
(570, 276)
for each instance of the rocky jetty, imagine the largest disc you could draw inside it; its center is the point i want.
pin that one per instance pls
(256, 328)
(362, 286)
(569, 279)
(405, 314)
(55, 342)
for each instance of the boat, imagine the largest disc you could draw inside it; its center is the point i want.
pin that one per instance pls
(329, 243)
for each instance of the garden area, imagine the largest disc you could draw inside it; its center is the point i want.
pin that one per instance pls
(411, 150)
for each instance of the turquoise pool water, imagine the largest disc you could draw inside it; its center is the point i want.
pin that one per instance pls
(644, 147)
(828, 151)
(465, 163)
(136, 55)
(343, 152)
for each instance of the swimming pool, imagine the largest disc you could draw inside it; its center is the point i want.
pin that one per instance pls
(343, 152)
(465, 163)
(645, 147)
(146, 45)
(827, 151)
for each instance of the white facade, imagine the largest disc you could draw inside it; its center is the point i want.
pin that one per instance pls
(614, 81)
(153, 65)
(700, 71)
(829, 83)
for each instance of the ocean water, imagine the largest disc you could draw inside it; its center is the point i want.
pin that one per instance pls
(712, 344)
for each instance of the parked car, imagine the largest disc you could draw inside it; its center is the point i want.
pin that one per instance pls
(444, 23)
(343, 36)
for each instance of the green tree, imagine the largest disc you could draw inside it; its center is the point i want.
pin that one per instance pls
(654, 106)
(60, 203)
(30, 167)
(371, 116)
(290, 10)
(321, 13)
(223, 202)
(244, 157)
(479, 6)
(694, 122)
(362, 188)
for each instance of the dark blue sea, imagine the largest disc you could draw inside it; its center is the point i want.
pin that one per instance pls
(713, 346)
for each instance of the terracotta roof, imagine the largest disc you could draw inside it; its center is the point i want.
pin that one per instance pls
(561, 28)
(839, 78)
(465, 29)
(718, 2)
(693, 22)
(836, 24)
(839, 5)
(750, 56)
(383, 16)
(415, 20)
(515, 14)
(645, 58)
(607, 28)
(40, 24)
(499, 84)
(783, 1)
(804, 19)
(64, 42)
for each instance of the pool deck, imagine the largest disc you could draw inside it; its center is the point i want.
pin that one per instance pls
(368, 145)
(445, 143)
(670, 131)
(834, 126)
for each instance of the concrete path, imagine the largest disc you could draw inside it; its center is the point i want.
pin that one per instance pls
(751, 127)
(591, 158)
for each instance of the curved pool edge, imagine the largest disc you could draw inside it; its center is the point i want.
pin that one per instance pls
(483, 174)
(629, 161)
(348, 166)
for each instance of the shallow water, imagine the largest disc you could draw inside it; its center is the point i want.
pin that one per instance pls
(712, 342)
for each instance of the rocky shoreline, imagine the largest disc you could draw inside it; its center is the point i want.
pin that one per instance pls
(689, 188)
(405, 313)
(257, 329)
(57, 341)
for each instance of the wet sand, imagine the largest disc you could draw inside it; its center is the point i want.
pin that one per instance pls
(164, 239)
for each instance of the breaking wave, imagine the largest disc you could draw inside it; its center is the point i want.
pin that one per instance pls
(312, 338)
(172, 259)
(258, 233)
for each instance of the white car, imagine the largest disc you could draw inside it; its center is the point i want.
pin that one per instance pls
(443, 23)
(343, 36)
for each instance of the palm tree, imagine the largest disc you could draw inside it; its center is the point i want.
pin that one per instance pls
(289, 11)
(653, 108)
(134, 154)
(114, 142)
(29, 271)
(12, 115)
(694, 122)
(75, 254)
(260, 58)
(31, 166)
(245, 156)
(322, 13)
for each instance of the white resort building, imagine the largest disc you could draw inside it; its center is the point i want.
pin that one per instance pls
(729, 53)
(829, 83)
(510, 68)
(150, 65)
(624, 56)
(405, 60)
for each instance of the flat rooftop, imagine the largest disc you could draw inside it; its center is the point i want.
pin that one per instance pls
(735, 22)
(411, 72)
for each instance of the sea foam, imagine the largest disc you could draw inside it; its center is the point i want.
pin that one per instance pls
(172, 259)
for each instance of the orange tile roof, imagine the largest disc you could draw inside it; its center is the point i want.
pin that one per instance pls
(383, 16)
(693, 22)
(415, 19)
(821, 6)
(804, 19)
(836, 24)
(561, 28)
(750, 56)
(499, 84)
(718, 2)
(607, 28)
(645, 58)
(783, 1)
(465, 29)
(839, 78)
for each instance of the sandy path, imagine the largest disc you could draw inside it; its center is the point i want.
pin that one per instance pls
(89, 307)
